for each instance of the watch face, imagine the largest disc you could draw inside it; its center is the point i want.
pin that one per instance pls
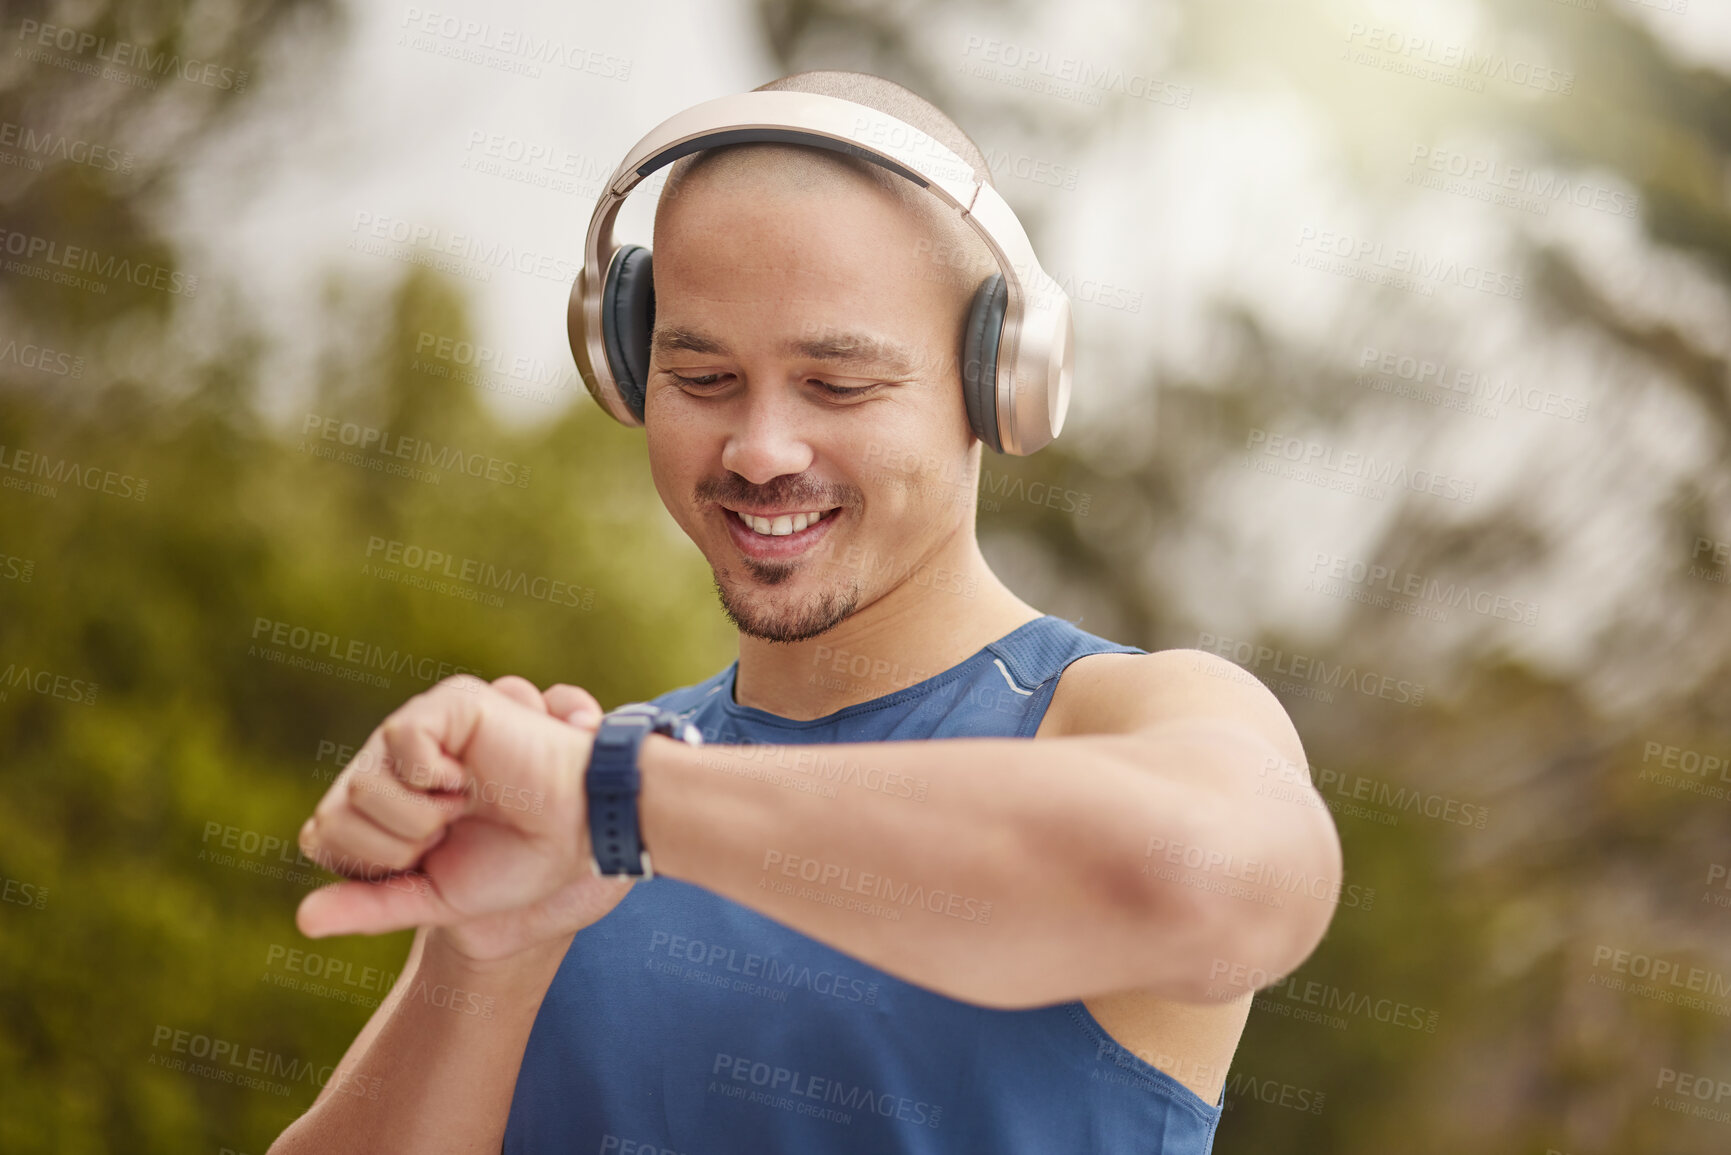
(619, 733)
(669, 723)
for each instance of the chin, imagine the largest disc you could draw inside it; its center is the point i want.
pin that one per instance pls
(783, 615)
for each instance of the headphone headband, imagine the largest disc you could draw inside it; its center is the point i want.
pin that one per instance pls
(1034, 351)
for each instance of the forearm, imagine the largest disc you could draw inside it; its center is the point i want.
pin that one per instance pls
(435, 1069)
(1017, 880)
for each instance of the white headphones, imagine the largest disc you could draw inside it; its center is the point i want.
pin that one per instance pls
(1017, 342)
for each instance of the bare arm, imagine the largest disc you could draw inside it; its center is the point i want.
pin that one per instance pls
(1139, 847)
(1013, 873)
(435, 1067)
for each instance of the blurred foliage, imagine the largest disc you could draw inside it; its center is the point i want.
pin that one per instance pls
(143, 806)
(156, 767)
(127, 914)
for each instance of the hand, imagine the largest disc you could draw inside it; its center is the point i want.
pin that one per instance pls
(476, 790)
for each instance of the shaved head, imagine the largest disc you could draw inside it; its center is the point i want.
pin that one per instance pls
(955, 256)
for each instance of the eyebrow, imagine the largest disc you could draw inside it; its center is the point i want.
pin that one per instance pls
(858, 350)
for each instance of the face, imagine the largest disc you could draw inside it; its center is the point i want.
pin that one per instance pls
(804, 374)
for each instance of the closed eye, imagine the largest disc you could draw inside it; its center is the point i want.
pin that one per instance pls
(841, 390)
(708, 379)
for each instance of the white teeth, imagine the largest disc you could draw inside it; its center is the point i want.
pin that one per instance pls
(783, 525)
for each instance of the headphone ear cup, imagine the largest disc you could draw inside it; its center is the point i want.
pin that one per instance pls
(980, 335)
(627, 317)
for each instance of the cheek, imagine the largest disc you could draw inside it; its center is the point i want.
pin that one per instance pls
(914, 485)
(923, 457)
(667, 411)
(675, 429)
(673, 468)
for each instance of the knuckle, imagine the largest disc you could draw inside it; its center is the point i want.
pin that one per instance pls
(571, 696)
(369, 759)
(330, 807)
(397, 732)
(402, 859)
(423, 773)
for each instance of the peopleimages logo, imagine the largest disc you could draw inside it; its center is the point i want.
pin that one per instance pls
(367, 439)
(232, 1062)
(1260, 876)
(1340, 675)
(481, 581)
(1518, 186)
(34, 146)
(349, 657)
(459, 38)
(786, 976)
(1429, 378)
(1070, 77)
(129, 55)
(1406, 266)
(1663, 972)
(1697, 1087)
(1338, 790)
(786, 1088)
(1421, 56)
(49, 473)
(879, 886)
(1348, 470)
(1331, 998)
(70, 260)
(1274, 1093)
(1329, 570)
(464, 247)
(457, 355)
(49, 684)
(41, 358)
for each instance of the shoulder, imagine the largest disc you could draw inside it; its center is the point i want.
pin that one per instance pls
(688, 698)
(1126, 693)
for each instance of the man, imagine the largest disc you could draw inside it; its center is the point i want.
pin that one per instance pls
(883, 922)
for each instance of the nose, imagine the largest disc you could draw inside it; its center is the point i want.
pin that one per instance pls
(767, 439)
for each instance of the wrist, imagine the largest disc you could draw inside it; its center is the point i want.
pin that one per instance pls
(443, 953)
(665, 765)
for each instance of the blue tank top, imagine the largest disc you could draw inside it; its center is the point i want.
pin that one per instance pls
(684, 1023)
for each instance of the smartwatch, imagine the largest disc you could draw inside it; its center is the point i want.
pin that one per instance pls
(612, 780)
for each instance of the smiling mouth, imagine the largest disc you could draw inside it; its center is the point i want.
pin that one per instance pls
(782, 525)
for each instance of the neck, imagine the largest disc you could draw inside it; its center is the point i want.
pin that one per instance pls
(913, 631)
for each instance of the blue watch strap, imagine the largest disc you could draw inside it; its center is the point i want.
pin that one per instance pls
(612, 783)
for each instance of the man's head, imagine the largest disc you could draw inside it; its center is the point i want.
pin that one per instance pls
(786, 276)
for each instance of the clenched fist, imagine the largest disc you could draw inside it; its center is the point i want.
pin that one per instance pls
(464, 810)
